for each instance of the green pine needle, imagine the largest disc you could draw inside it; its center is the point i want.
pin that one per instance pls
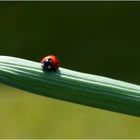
(69, 85)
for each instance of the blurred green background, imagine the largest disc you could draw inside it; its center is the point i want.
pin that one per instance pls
(101, 38)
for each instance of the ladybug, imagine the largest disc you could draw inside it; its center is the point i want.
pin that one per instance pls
(50, 63)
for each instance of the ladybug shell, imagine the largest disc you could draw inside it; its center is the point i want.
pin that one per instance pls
(53, 60)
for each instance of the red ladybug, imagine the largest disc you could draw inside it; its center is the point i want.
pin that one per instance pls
(50, 63)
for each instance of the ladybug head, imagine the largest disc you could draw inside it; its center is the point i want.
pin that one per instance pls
(47, 65)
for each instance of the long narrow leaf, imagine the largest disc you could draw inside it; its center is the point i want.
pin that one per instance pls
(69, 85)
